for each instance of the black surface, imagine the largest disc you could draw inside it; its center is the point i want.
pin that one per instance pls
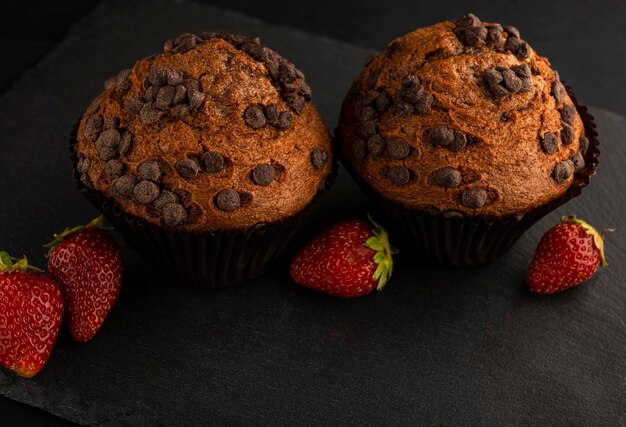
(438, 345)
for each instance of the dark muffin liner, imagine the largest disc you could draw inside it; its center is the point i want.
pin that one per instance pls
(477, 240)
(217, 259)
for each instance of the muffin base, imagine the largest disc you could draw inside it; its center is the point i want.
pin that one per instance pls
(477, 240)
(216, 259)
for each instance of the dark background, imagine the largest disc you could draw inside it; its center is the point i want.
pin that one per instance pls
(585, 40)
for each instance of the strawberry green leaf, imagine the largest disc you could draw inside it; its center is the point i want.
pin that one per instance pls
(8, 263)
(383, 257)
(598, 238)
(97, 223)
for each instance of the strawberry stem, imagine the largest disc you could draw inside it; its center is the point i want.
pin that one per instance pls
(598, 238)
(9, 264)
(97, 223)
(379, 242)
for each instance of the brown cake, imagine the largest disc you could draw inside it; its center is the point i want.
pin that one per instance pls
(465, 119)
(216, 133)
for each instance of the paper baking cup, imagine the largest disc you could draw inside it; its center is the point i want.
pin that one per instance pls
(477, 240)
(217, 259)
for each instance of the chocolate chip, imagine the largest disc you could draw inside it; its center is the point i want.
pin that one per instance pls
(513, 43)
(107, 153)
(558, 91)
(411, 81)
(173, 77)
(86, 180)
(522, 70)
(174, 214)
(134, 105)
(523, 51)
(412, 94)
(179, 110)
(83, 165)
(578, 161)
(583, 143)
(112, 123)
(296, 102)
(123, 186)
(460, 140)
(165, 198)
(498, 91)
(512, 31)
(567, 134)
(150, 170)
(191, 84)
(474, 198)
(399, 149)
(452, 214)
(359, 149)
(271, 114)
(365, 114)
(285, 119)
(195, 99)
(370, 97)
(492, 76)
(257, 52)
(319, 157)
(168, 46)
(109, 138)
(562, 171)
(527, 85)
(369, 128)
(164, 97)
(568, 114)
(187, 168)
(382, 102)
(157, 76)
(228, 200)
(399, 175)
(110, 82)
(126, 143)
(402, 108)
(93, 127)
(149, 113)
(511, 81)
(424, 104)
(468, 20)
(114, 169)
(448, 177)
(254, 117)
(549, 143)
(179, 94)
(263, 174)
(185, 42)
(123, 82)
(146, 192)
(213, 162)
(440, 136)
(495, 38)
(376, 145)
(475, 36)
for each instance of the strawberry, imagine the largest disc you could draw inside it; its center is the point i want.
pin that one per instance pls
(87, 263)
(567, 255)
(347, 260)
(31, 308)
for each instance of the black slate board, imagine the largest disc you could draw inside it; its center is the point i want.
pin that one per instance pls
(438, 345)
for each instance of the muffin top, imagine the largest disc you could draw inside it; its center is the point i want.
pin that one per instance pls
(463, 118)
(217, 132)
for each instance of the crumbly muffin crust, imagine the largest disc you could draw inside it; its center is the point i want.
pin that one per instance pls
(463, 118)
(218, 132)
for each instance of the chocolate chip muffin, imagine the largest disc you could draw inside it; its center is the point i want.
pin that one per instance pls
(463, 120)
(217, 133)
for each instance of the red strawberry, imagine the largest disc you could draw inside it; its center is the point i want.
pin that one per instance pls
(568, 254)
(347, 260)
(31, 308)
(87, 263)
